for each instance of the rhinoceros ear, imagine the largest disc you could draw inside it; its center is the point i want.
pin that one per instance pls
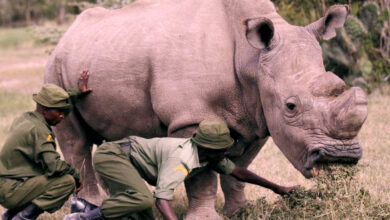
(325, 27)
(259, 32)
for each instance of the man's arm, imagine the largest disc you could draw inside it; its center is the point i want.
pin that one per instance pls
(165, 209)
(245, 175)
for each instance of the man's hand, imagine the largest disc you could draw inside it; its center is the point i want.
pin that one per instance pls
(83, 82)
(284, 190)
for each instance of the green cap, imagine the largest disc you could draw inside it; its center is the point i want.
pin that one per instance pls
(213, 134)
(52, 96)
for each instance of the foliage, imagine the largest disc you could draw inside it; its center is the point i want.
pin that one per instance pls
(28, 12)
(360, 47)
(19, 12)
(335, 196)
(302, 12)
(360, 52)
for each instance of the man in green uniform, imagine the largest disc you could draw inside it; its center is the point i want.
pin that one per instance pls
(33, 178)
(165, 163)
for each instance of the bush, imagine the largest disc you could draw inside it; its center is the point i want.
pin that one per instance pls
(360, 52)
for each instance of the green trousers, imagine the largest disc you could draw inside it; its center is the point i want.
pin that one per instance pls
(129, 195)
(48, 193)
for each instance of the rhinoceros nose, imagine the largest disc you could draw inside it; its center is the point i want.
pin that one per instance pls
(349, 112)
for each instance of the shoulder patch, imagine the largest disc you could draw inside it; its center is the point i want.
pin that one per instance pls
(181, 168)
(49, 138)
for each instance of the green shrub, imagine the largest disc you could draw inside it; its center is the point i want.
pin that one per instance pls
(360, 52)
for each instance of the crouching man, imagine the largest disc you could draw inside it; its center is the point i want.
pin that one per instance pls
(33, 178)
(165, 163)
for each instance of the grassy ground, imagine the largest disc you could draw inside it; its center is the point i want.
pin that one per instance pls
(21, 71)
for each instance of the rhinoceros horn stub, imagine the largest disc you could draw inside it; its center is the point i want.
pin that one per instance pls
(349, 111)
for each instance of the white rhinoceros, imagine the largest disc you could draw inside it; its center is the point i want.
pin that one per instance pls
(158, 68)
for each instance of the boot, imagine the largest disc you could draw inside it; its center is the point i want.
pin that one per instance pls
(31, 212)
(81, 205)
(94, 214)
(8, 214)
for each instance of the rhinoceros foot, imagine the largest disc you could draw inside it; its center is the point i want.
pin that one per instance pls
(234, 195)
(231, 209)
(200, 209)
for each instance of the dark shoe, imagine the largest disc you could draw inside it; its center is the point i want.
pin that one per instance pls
(94, 214)
(81, 205)
(10, 213)
(31, 212)
(7, 215)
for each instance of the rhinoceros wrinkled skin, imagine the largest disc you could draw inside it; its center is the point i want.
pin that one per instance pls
(158, 68)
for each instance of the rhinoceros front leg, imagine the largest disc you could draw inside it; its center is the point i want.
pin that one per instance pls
(234, 189)
(76, 149)
(201, 192)
(201, 189)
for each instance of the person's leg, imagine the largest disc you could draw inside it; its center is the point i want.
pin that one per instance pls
(49, 194)
(58, 191)
(129, 195)
(76, 146)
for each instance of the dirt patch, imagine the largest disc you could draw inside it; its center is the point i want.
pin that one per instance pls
(30, 63)
(23, 76)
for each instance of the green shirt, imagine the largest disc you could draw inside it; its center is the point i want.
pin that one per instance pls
(30, 150)
(166, 162)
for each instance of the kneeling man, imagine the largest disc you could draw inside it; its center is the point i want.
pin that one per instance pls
(165, 163)
(33, 178)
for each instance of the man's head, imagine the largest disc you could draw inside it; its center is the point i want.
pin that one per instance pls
(53, 103)
(213, 139)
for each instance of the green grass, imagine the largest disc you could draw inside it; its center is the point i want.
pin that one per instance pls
(15, 103)
(15, 37)
(336, 195)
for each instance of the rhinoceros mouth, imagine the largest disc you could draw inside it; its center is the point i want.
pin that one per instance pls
(346, 153)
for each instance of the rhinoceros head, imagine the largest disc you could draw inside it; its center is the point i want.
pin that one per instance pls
(310, 113)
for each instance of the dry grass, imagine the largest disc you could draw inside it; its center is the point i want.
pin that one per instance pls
(19, 78)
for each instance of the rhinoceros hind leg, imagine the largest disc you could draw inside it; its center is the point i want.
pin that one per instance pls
(234, 189)
(76, 145)
(201, 191)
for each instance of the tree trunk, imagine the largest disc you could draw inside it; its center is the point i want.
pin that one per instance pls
(4, 20)
(61, 12)
(27, 12)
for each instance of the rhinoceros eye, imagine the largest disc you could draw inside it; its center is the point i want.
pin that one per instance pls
(291, 106)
